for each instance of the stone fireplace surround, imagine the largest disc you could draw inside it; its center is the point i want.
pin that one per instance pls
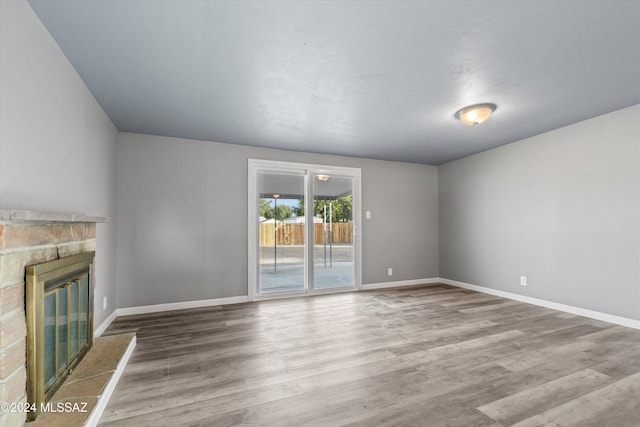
(29, 237)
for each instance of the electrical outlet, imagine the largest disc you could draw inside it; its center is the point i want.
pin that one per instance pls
(104, 303)
(523, 280)
(368, 214)
(390, 271)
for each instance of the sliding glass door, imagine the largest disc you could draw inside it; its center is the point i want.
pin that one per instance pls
(302, 229)
(281, 261)
(332, 231)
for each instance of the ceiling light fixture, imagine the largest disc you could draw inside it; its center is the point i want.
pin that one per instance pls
(475, 114)
(322, 177)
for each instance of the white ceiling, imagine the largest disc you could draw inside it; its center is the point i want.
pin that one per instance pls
(369, 79)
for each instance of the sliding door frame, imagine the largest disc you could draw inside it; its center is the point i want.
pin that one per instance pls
(254, 167)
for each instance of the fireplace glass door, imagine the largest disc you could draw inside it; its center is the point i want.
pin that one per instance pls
(59, 315)
(65, 327)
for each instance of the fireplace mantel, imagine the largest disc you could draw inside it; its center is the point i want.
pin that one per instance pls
(40, 216)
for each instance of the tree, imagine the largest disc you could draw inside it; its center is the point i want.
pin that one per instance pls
(282, 211)
(342, 208)
(299, 210)
(265, 209)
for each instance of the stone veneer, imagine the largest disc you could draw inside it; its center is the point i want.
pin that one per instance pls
(28, 237)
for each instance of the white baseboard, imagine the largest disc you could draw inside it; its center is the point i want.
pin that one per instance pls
(301, 294)
(143, 309)
(95, 415)
(104, 325)
(400, 283)
(618, 320)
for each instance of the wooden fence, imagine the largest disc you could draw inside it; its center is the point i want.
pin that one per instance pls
(293, 234)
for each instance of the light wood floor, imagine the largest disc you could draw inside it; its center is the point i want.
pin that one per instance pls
(428, 356)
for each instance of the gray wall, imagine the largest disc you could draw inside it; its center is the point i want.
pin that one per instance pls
(182, 218)
(562, 208)
(57, 146)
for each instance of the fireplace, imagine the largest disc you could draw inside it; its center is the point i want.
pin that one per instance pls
(29, 238)
(59, 316)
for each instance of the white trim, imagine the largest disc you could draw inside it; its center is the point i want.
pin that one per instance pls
(96, 414)
(277, 166)
(357, 227)
(104, 325)
(309, 238)
(299, 294)
(156, 308)
(618, 320)
(400, 283)
(252, 230)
